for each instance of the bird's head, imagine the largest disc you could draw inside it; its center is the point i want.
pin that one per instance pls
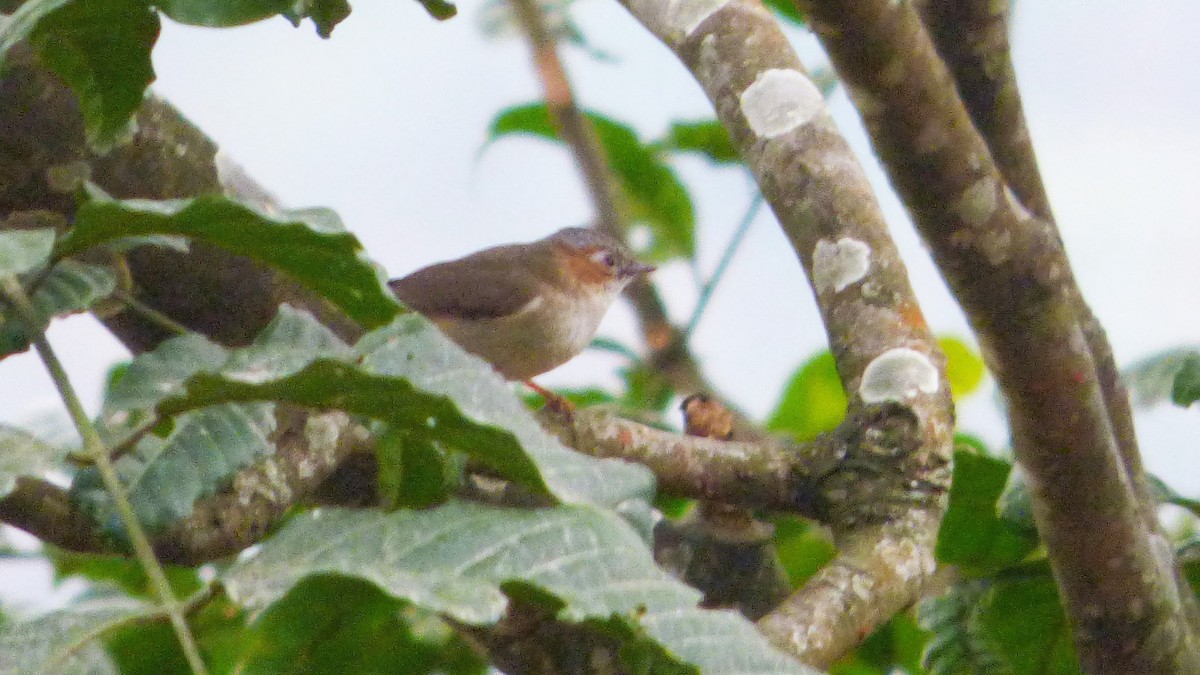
(591, 260)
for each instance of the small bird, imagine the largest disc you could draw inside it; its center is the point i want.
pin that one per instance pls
(524, 308)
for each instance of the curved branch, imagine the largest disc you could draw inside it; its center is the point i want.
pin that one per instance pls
(777, 118)
(1010, 274)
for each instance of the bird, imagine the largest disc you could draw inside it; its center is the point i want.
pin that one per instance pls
(524, 308)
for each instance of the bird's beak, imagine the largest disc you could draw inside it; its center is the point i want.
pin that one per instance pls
(637, 269)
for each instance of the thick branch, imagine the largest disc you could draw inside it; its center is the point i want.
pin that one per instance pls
(751, 474)
(777, 118)
(972, 37)
(309, 447)
(1009, 272)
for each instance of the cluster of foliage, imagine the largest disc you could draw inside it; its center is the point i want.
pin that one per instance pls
(366, 591)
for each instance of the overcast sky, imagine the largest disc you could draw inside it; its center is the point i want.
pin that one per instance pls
(385, 121)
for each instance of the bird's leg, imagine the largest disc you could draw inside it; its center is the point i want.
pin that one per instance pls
(554, 402)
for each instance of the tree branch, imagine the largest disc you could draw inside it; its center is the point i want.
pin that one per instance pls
(1010, 274)
(777, 118)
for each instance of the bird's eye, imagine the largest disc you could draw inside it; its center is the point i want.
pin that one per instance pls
(605, 258)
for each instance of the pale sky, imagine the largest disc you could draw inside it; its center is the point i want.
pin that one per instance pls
(384, 123)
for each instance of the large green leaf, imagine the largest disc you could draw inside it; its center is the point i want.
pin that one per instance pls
(21, 23)
(788, 10)
(101, 48)
(165, 477)
(406, 374)
(24, 250)
(1151, 379)
(813, 400)
(964, 367)
(462, 559)
(655, 195)
(62, 642)
(325, 14)
(706, 137)
(1185, 390)
(973, 536)
(955, 648)
(23, 454)
(1023, 620)
(334, 624)
(895, 647)
(70, 287)
(222, 13)
(310, 245)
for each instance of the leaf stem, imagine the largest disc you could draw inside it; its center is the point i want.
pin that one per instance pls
(731, 248)
(94, 447)
(153, 315)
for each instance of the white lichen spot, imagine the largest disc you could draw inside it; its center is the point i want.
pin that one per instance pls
(837, 265)
(897, 375)
(780, 100)
(977, 203)
(117, 418)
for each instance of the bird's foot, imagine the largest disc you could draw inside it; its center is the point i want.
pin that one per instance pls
(553, 402)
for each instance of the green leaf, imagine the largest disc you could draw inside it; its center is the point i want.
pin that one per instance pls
(24, 250)
(413, 471)
(461, 559)
(412, 349)
(439, 9)
(222, 13)
(101, 48)
(61, 642)
(165, 477)
(646, 388)
(1023, 621)
(152, 648)
(788, 10)
(310, 244)
(23, 454)
(813, 400)
(955, 648)
(69, 288)
(335, 624)
(655, 196)
(122, 571)
(895, 647)
(1164, 494)
(802, 547)
(1186, 389)
(707, 137)
(407, 375)
(1151, 379)
(964, 368)
(325, 14)
(972, 535)
(21, 23)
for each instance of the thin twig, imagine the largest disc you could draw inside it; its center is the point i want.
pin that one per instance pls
(153, 315)
(735, 242)
(95, 447)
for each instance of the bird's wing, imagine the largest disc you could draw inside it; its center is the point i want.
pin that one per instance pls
(439, 291)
